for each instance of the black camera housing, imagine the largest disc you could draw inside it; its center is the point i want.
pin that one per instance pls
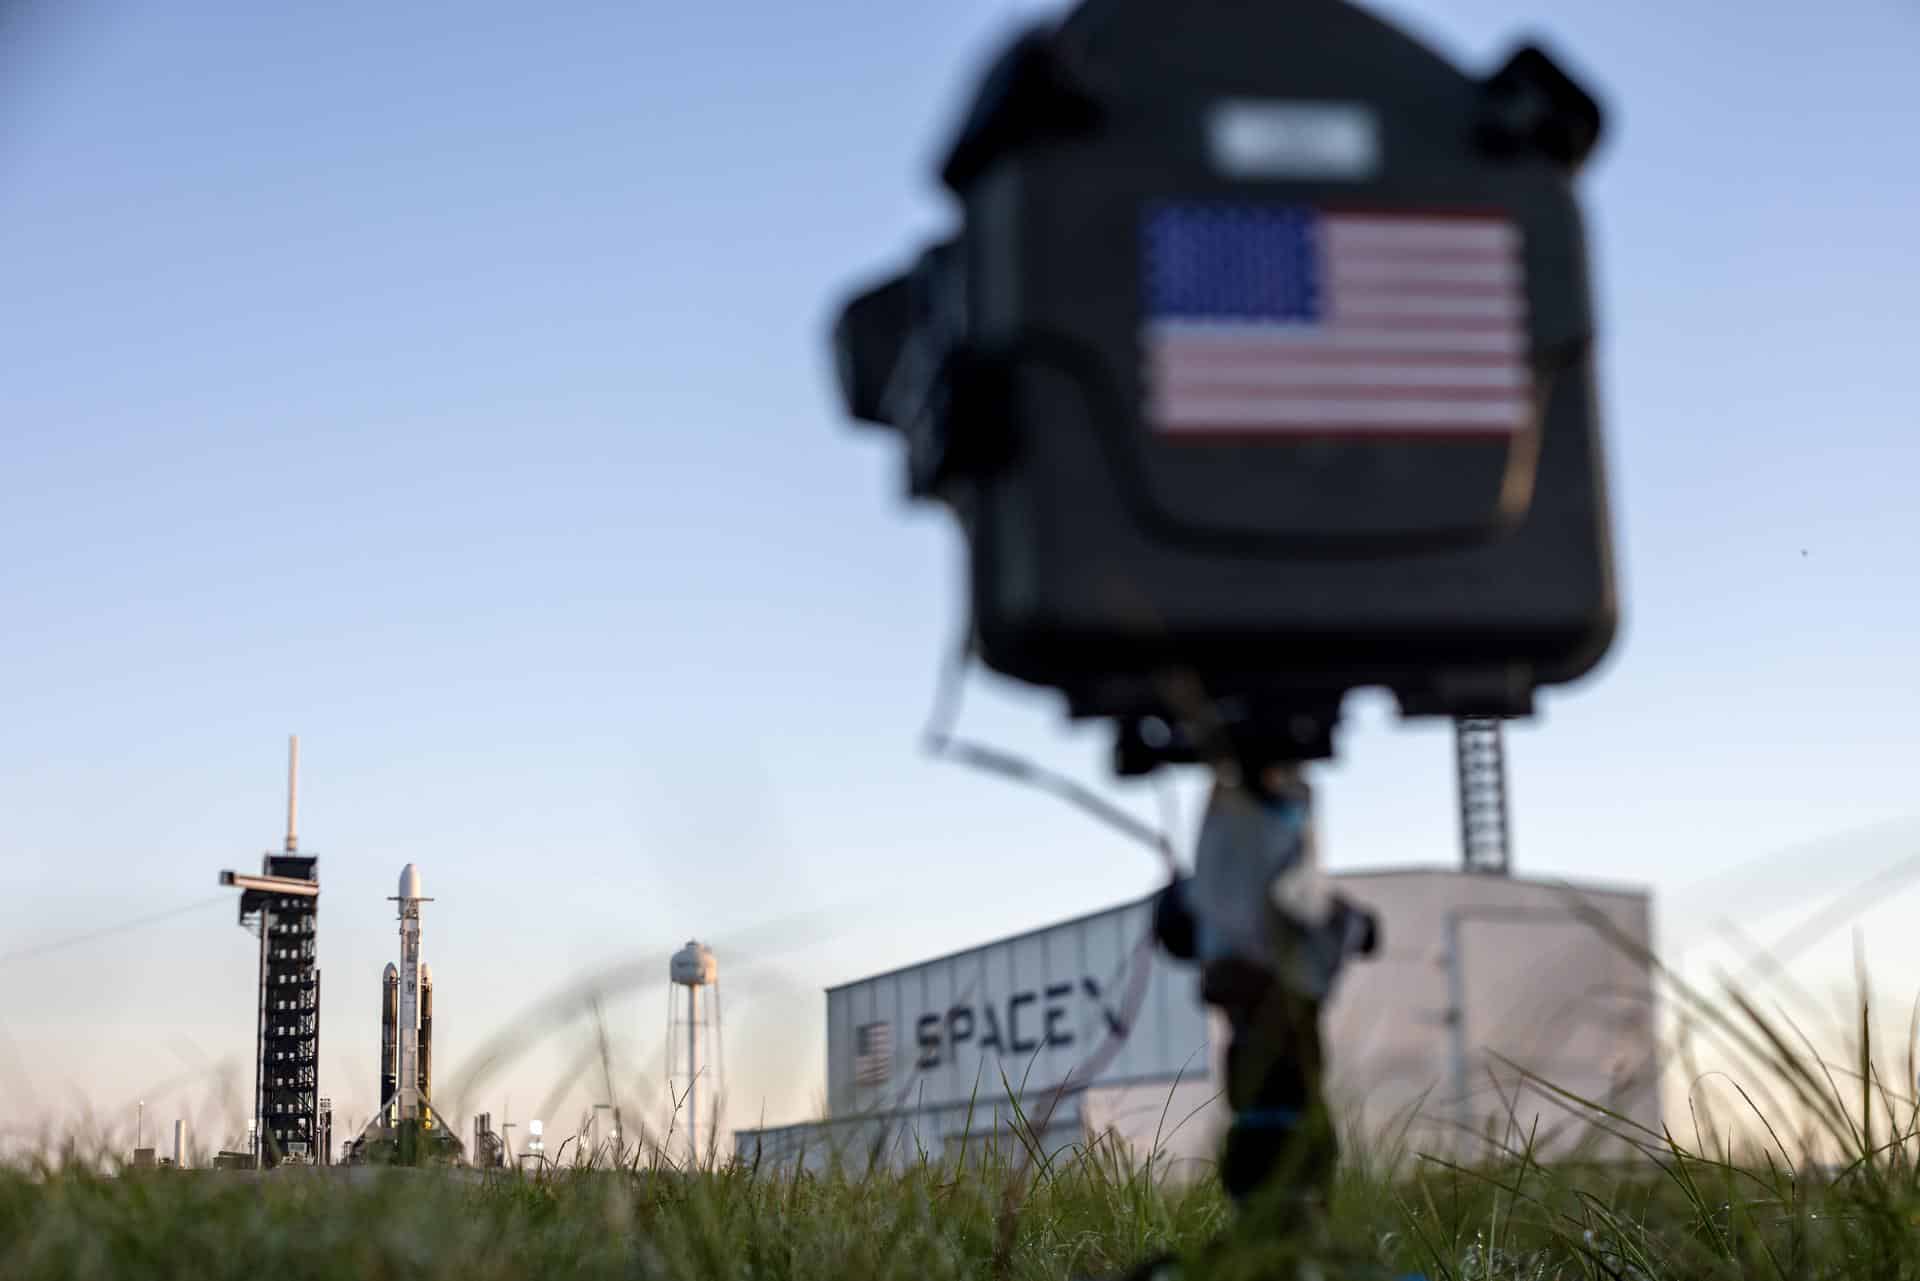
(1141, 161)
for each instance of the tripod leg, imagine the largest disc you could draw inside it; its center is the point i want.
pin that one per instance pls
(1281, 1148)
(1269, 941)
(1278, 1160)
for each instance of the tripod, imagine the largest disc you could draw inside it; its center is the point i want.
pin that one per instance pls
(1269, 941)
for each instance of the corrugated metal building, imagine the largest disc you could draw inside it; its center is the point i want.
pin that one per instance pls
(1095, 1032)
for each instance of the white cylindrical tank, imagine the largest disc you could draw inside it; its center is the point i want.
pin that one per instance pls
(693, 965)
(410, 882)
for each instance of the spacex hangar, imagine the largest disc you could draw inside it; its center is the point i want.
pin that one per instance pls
(1480, 981)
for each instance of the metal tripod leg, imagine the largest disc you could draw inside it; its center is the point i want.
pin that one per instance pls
(1270, 941)
(1278, 1160)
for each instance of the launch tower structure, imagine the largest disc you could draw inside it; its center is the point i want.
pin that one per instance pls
(281, 906)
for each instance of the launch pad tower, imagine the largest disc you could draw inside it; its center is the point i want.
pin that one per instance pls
(281, 907)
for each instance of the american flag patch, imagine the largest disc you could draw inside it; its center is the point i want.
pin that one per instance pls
(1283, 320)
(872, 1053)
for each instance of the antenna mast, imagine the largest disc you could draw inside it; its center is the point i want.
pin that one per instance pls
(293, 793)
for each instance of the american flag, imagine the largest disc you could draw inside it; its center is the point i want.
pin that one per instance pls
(872, 1053)
(1292, 321)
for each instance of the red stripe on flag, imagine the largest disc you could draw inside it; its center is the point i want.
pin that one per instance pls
(1212, 355)
(1221, 389)
(1439, 433)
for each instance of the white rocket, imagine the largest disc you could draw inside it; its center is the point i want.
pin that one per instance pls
(407, 1100)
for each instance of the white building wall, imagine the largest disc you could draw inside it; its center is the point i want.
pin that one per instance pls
(1535, 987)
(1180, 1123)
(901, 1140)
(1023, 1016)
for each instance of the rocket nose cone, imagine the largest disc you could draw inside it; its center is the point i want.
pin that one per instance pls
(393, 973)
(410, 882)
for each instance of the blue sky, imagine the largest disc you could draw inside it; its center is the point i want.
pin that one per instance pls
(448, 385)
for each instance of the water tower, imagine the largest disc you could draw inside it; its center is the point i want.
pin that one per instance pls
(694, 968)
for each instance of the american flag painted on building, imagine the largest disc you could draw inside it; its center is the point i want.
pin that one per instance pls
(1293, 321)
(872, 1053)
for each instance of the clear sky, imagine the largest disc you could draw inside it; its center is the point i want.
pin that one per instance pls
(447, 384)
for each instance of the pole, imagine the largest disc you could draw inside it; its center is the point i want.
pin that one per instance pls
(293, 793)
(693, 1075)
(140, 1127)
(259, 1145)
(1457, 1020)
(717, 1046)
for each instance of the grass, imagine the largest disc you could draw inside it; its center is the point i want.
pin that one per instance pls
(1673, 1214)
(1833, 1194)
(1693, 1218)
(75, 1221)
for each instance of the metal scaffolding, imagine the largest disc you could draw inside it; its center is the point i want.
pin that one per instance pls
(281, 907)
(287, 1069)
(1481, 760)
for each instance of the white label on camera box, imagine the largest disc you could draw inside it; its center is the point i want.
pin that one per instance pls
(1254, 139)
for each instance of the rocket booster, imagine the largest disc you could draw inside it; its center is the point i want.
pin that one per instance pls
(408, 1095)
(389, 1039)
(426, 1044)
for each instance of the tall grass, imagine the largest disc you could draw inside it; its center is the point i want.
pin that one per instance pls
(1676, 1212)
(1821, 1180)
(73, 1218)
